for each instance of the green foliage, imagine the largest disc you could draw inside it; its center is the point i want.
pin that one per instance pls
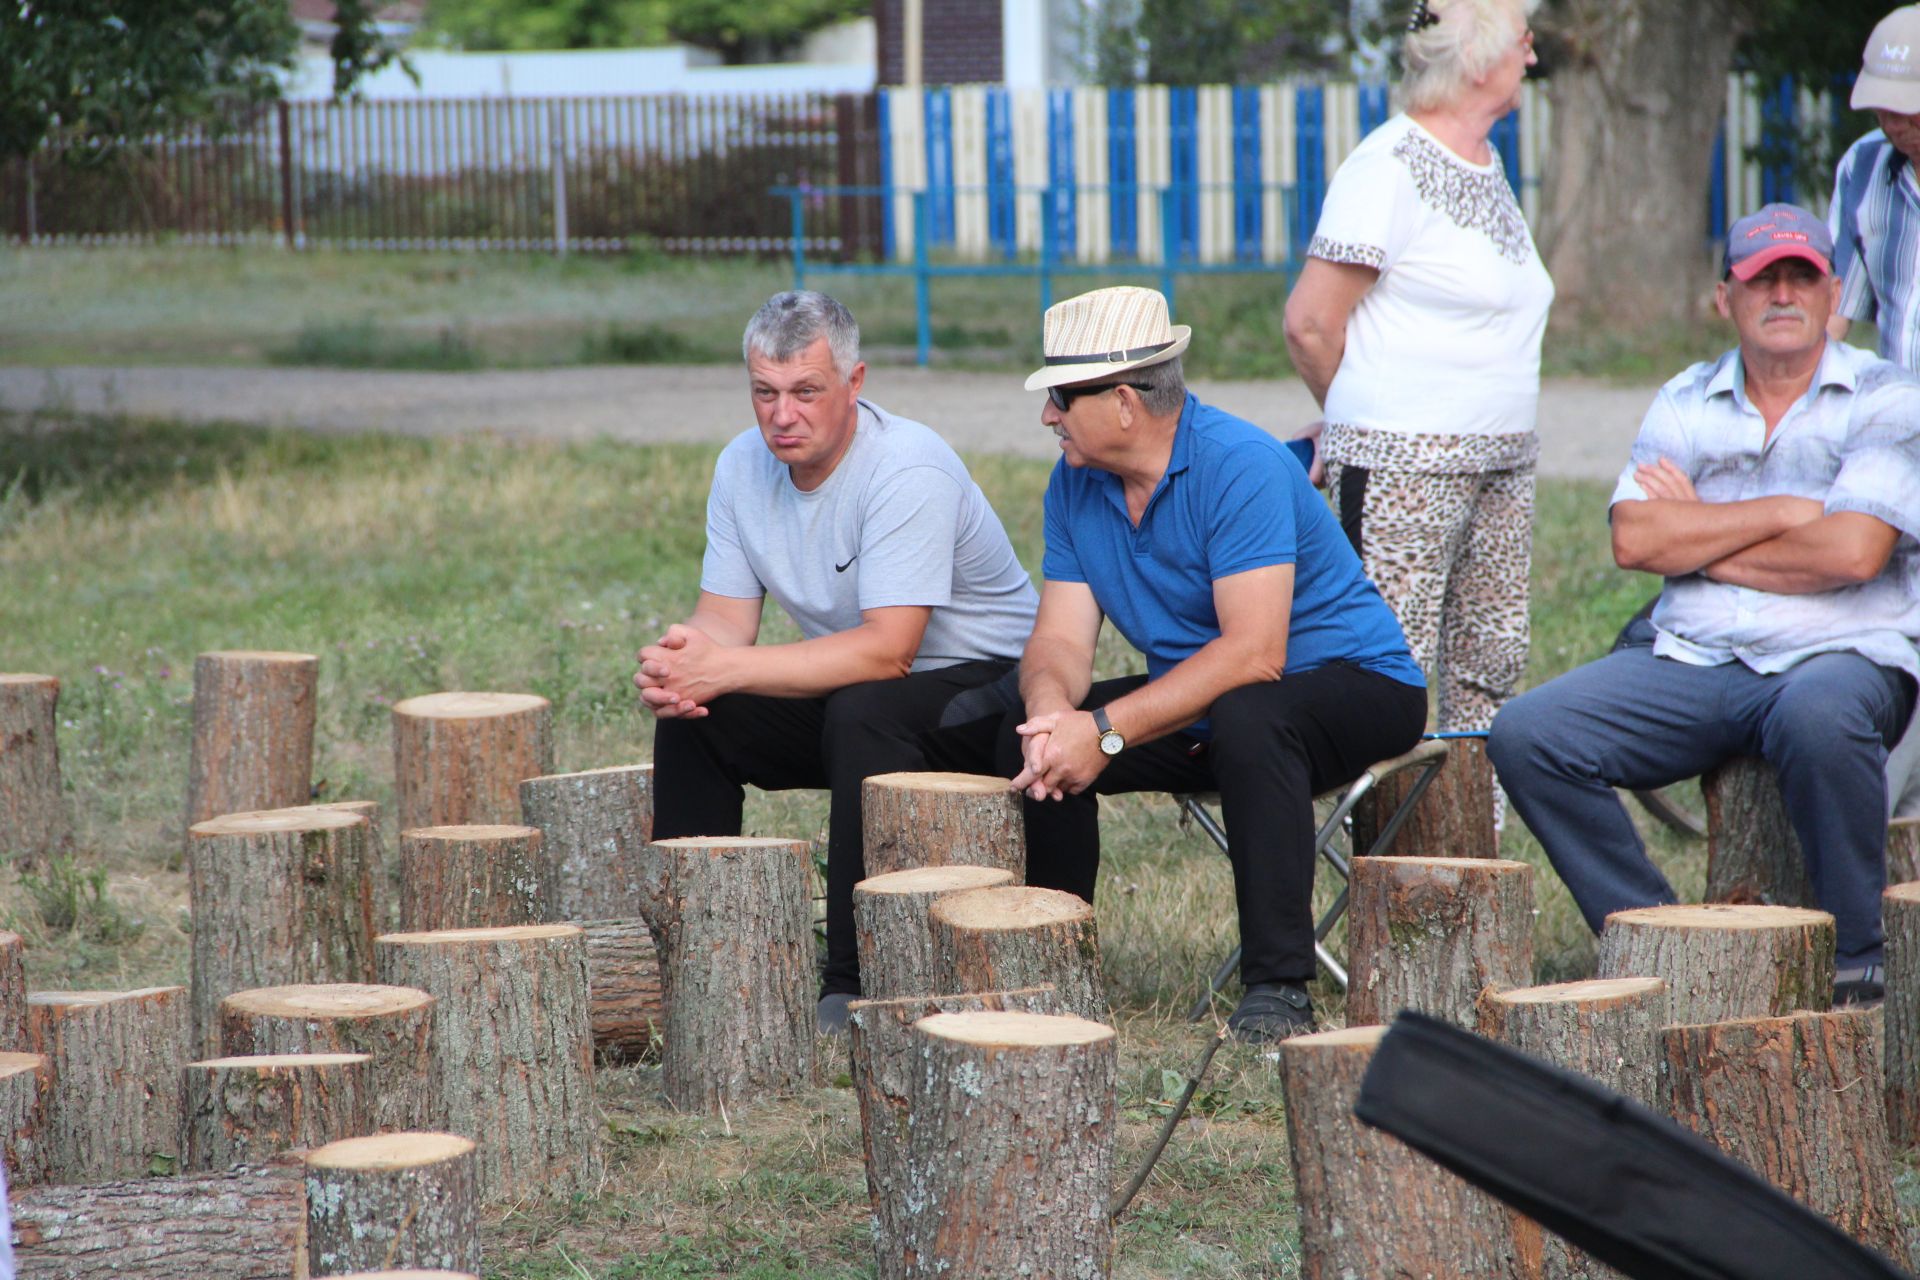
(735, 27)
(1216, 41)
(68, 898)
(547, 24)
(364, 344)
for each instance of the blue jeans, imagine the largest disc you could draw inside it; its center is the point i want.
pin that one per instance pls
(1639, 721)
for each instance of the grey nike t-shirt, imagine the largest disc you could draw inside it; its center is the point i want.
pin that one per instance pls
(899, 522)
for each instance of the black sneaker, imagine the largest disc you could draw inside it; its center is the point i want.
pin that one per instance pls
(1271, 1011)
(1860, 987)
(831, 1013)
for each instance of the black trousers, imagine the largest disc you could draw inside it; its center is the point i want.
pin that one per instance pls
(1274, 747)
(779, 744)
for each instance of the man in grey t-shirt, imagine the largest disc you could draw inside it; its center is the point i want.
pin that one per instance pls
(868, 531)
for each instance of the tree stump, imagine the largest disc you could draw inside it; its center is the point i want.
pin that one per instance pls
(884, 1065)
(1753, 855)
(732, 919)
(13, 991)
(473, 877)
(243, 1110)
(1018, 936)
(391, 1025)
(941, 820)
(26, 1084)
(1369, 1204)
(1900, 912)
(1010, 1161)
(397, 1200)
(1433, 933)
(596, 826)
(890, 924)
(386, 885)
(253, 718)
(34, 821)
(1724, 961)
(116, 1106)
(1785, 1097)
(624, 989)
(1452, 819)
(512, 1049)
(281, 896)
(1903, 850)
(461, 757)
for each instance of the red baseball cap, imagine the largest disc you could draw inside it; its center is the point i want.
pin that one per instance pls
(1777, 231)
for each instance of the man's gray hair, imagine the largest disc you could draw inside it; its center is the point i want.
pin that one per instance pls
(1166, 387)
(1440, 63)
(788, 323)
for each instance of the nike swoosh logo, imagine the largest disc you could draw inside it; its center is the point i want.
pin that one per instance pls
(842, 568)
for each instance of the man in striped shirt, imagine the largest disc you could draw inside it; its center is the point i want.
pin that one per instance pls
(1875, 215)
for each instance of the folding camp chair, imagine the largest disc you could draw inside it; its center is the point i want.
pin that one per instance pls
(1428, 757)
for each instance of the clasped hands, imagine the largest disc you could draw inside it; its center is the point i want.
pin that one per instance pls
(1061, 751)
(681, 674)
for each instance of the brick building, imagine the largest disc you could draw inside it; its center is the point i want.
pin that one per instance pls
(1019, 43)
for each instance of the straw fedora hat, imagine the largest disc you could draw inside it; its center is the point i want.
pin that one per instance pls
(1106, 332)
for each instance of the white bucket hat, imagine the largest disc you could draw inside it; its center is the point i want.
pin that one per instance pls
(1890, 67)
(1106, 332)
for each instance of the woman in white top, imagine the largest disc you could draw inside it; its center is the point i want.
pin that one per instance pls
(1416, 323)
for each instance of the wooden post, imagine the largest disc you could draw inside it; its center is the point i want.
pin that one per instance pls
(242, 1110)
(397, 1200)
(1724, 961)
(1753, 855)
(116, 1105)
(731, 915)
(596, 827)
(1903, 850)
(624, 990)
(1433, 933)
(1792, 1099)
(940, 820)
(473, 877)
(1900, 913)
(34, 821)
(884, 1064)
(512, 1049)
(1011, 1153)
(890, 924)
(26, 1085)
(1452, 819)
(13, 991)
(1370, 1205)
(391, 1025)
(253, 718)
(1018, 936)
(461, 757)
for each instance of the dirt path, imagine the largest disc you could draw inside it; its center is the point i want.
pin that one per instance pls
(1585, 427)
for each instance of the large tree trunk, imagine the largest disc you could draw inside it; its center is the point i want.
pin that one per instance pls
(392, 1025)
(34, 823)
(398, 1200)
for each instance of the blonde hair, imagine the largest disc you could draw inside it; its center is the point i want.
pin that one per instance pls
(1440, 62)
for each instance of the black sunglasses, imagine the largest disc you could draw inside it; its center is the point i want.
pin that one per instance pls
(1063, 397)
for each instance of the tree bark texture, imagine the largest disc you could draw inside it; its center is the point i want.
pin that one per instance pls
(117, 1059)
(244, 1224)
(1753, 855)
(1900, 911)
(624, 989)
(1370, 1205)
(1453, 817)
(394, 1201)
(1723, 961)
(282, 896)
(1010, 1159)
(34, 820)
(245, 1110)
(733, 922)
(596, 827)
(26, 1086)
(13, 991)
(391, 1025)
(1433, 933)
(512, 1050)
(461, 757)
(1903, 851)
(1792, 1098)
(941, 820)
(386, 884)
(890, 925)
(1018, 936)
(473, 877)
(884, 1063)
(253, 718)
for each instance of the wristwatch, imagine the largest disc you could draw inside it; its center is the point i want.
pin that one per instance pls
(1110, 740)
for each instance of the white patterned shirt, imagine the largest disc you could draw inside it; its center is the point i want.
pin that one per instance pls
(1875, 220)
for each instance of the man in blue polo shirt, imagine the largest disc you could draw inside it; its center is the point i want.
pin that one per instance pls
(1274, 669)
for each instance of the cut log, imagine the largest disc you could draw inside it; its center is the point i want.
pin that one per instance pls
(596, 826)
(26, 1085)
(731, 916)
(1369, 1205)
(245, 1110)
(1018, 936)
(890, 924)
(397, 1200)
(1724, 961)
(461, 757)
(512, 1050)
(391, 1025)
(34, 820)
(473, 877)
(941, 820)
(253, 718)
(411, 1275)
(13, 991)
(1903, 850)
(1433, 933)
(1011, 1155)
(624, 990)
(280, 896)
(116, 1107)
(1900, 913)
(1792, 1098)
(884, 1066)
(1452, 819)
(1753, 855)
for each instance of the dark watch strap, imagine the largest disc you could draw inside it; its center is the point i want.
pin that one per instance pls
(1100, 720)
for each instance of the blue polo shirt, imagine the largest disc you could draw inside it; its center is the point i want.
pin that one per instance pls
(1233, 499)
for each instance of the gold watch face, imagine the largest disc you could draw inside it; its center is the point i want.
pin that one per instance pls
(1111, 742)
